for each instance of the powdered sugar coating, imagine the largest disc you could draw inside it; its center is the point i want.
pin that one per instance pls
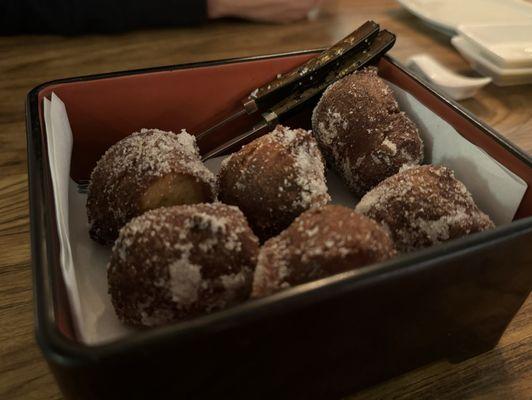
(177, 262)
(319, 243)
(130, 166)
(362, 132)
(185, 281)
(422, 206)
(275, 178)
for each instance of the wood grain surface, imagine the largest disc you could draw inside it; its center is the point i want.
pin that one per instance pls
(25, 61)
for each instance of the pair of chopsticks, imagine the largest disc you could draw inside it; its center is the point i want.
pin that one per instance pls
(285, 95)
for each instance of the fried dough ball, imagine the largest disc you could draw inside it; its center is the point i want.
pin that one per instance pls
(274, 179)
(319, 243)
(422, 206)
(145, 170)
(362, 133)
(174, 263)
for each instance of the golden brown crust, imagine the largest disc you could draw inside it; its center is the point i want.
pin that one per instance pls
(422, 206)
(175, 263)
(274, 179)
(362, 132)
(319, 243)
(149, 160)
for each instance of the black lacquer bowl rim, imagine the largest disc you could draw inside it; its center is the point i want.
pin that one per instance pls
(60, 349)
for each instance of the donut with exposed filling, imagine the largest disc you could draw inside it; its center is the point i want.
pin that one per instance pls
(145, 170)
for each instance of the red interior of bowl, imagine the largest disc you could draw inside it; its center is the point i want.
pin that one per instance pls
(102, 111)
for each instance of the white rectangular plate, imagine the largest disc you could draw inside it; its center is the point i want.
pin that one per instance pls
(506, 45)
(500, 76)
(447, 15)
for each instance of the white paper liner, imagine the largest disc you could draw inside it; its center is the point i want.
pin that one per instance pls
(497, 191)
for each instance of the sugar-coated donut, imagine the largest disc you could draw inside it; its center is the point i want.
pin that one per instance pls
(362, 133)
(422, 206)
(274, 179)
(319, 243)
(174, 263)
(146, 170)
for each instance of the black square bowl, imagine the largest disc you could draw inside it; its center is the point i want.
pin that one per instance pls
(320, 340)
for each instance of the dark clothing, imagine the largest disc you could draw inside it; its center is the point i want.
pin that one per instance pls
(70, 17)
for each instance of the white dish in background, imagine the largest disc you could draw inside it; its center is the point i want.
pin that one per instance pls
(446, 15)
(506, 45)
(458, 87)
(500, 76)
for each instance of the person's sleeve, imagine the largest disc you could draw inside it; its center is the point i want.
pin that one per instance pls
(69, 17)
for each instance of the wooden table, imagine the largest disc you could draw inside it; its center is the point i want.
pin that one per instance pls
(504, 373)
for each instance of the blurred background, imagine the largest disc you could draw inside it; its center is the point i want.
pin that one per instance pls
(42, 41)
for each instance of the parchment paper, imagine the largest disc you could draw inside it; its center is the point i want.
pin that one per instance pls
(496, 190)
